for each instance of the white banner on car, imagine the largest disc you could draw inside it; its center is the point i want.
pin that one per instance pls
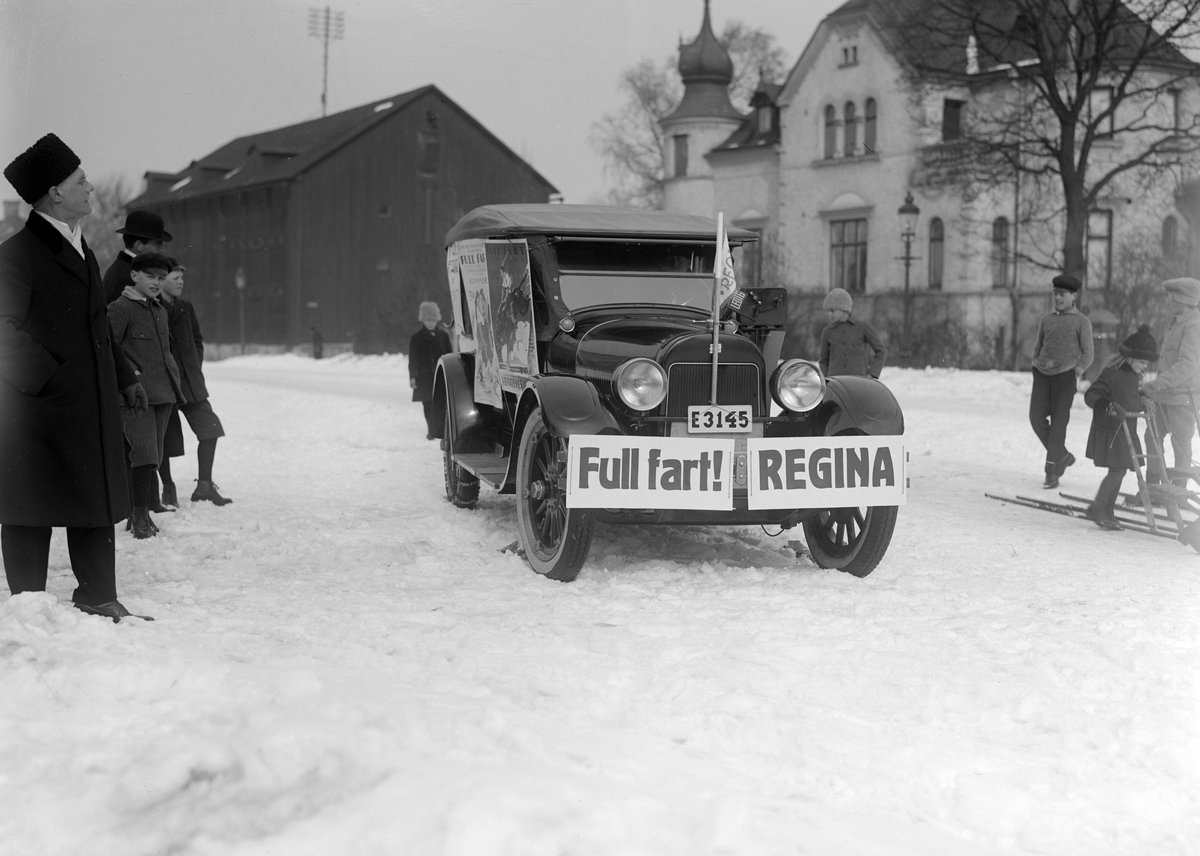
(617, 471)
(826, 472)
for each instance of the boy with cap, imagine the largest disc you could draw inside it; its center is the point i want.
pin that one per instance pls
(143, 232)
(61, 381)
(1112, 397)
(140, 326)
(187, 346)
(1176, 389)
(849, 347)
(1062, 352)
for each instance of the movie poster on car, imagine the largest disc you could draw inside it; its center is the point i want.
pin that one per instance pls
(618, 471)
(826, 472)
(512, 311)
(473, 268)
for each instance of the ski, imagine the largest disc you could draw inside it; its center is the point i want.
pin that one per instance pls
(1123, 512)
(1076, 511)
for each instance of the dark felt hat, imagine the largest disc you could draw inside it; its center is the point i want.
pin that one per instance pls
(144, 224)
(1067, 282)
(1140, 346)
(43, 165)
(151, 261)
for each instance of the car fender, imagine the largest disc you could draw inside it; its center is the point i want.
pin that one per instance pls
(453, 391)
(570, 405)
(860, 403)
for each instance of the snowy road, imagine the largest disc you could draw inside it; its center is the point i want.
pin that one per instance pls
(342, 663)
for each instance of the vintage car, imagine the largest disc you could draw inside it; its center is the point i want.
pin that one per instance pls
(586, 339)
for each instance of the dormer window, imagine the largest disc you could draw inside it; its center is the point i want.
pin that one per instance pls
(765, 119)
(849, 55)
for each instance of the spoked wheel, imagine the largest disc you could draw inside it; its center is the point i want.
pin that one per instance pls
(850, 539)
(462, 486)
(556, 539)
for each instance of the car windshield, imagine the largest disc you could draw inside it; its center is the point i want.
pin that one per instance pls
(603, 273)
(581, 290)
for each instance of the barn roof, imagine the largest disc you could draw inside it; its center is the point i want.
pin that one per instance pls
(500, 221)
(281, 154)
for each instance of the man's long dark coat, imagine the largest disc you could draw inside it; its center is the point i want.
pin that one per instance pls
(61, 448)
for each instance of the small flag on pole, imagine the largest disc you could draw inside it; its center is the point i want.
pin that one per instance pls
(727, 290)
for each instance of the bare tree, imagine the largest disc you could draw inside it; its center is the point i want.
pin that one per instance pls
(631, 139)
(1077, 99)
(99, 228)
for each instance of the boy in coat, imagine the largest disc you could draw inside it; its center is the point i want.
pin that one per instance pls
(849, 346)
(1112, 396)
(424, 350)
(1062, 352)
(139, 325)
(1176, 389)
(61, 381)
(187, 347)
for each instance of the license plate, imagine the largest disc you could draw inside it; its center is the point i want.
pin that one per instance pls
(715, 419)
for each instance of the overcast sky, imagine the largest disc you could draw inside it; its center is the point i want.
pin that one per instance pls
(136, 85)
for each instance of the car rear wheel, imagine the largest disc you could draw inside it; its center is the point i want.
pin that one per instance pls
(556, 539)
(462, 486)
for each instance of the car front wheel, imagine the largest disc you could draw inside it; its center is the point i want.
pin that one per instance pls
(850, 539)
(462, 486)
(555, 538)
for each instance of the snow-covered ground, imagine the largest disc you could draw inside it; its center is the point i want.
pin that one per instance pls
(343, 663)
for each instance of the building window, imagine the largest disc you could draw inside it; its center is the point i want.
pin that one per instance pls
(869, 127)
(1000, 256)
(431, 152)
(1099, 101)
(851, 130)
(1170, 238)
(952, 119)
(937, 252)
(764, 119)
(850, 55)
(681, 155)
(848, 255)
(830, 132)
(1099, 249)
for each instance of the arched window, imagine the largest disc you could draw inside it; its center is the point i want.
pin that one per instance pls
(851, 130)
(830, 132)
(937, 250)
(1170, 238)
(869, 127)
(1000, 253)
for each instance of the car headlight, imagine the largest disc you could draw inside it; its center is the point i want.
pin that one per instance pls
(798, 386)
(640, 383)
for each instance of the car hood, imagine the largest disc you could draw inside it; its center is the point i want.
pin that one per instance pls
(602, 347)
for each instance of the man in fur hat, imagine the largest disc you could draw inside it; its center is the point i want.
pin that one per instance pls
(61, 382)
(1176, 389)
(143, 232)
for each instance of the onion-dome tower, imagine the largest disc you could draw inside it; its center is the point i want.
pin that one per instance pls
(703, 120)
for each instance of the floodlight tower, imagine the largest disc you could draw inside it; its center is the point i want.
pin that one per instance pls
(328, 26)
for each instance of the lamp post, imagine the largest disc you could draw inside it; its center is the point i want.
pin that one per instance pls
(908, 231)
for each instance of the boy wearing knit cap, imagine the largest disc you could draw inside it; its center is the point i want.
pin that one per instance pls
(849, 346)
(1112, 396)
(1062, 352)
(1176, 389)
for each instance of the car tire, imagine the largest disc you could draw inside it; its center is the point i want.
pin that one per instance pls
(853, 540)
(556, 539)
(462, 486)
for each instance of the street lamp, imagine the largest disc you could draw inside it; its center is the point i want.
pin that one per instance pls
(908, 230)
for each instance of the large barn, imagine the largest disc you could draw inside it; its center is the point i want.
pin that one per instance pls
(334, 224)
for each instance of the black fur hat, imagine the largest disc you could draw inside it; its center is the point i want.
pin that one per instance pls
(1140, 346)
(43, 165)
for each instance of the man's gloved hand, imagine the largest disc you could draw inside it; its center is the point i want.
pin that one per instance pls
(135, 398)
(1116, 411)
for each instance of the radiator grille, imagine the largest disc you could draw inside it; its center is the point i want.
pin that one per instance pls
(691, 383)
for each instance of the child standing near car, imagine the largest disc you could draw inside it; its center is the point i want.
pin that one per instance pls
(139, 326)
(1112, 396)
(849, 346)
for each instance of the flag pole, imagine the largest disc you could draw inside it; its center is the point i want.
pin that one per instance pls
(718, 267)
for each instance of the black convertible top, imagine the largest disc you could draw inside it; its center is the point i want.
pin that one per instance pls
(519, 220)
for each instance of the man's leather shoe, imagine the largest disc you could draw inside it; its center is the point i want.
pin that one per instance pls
(206, 491)
(1064, 463)
(114, 609)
